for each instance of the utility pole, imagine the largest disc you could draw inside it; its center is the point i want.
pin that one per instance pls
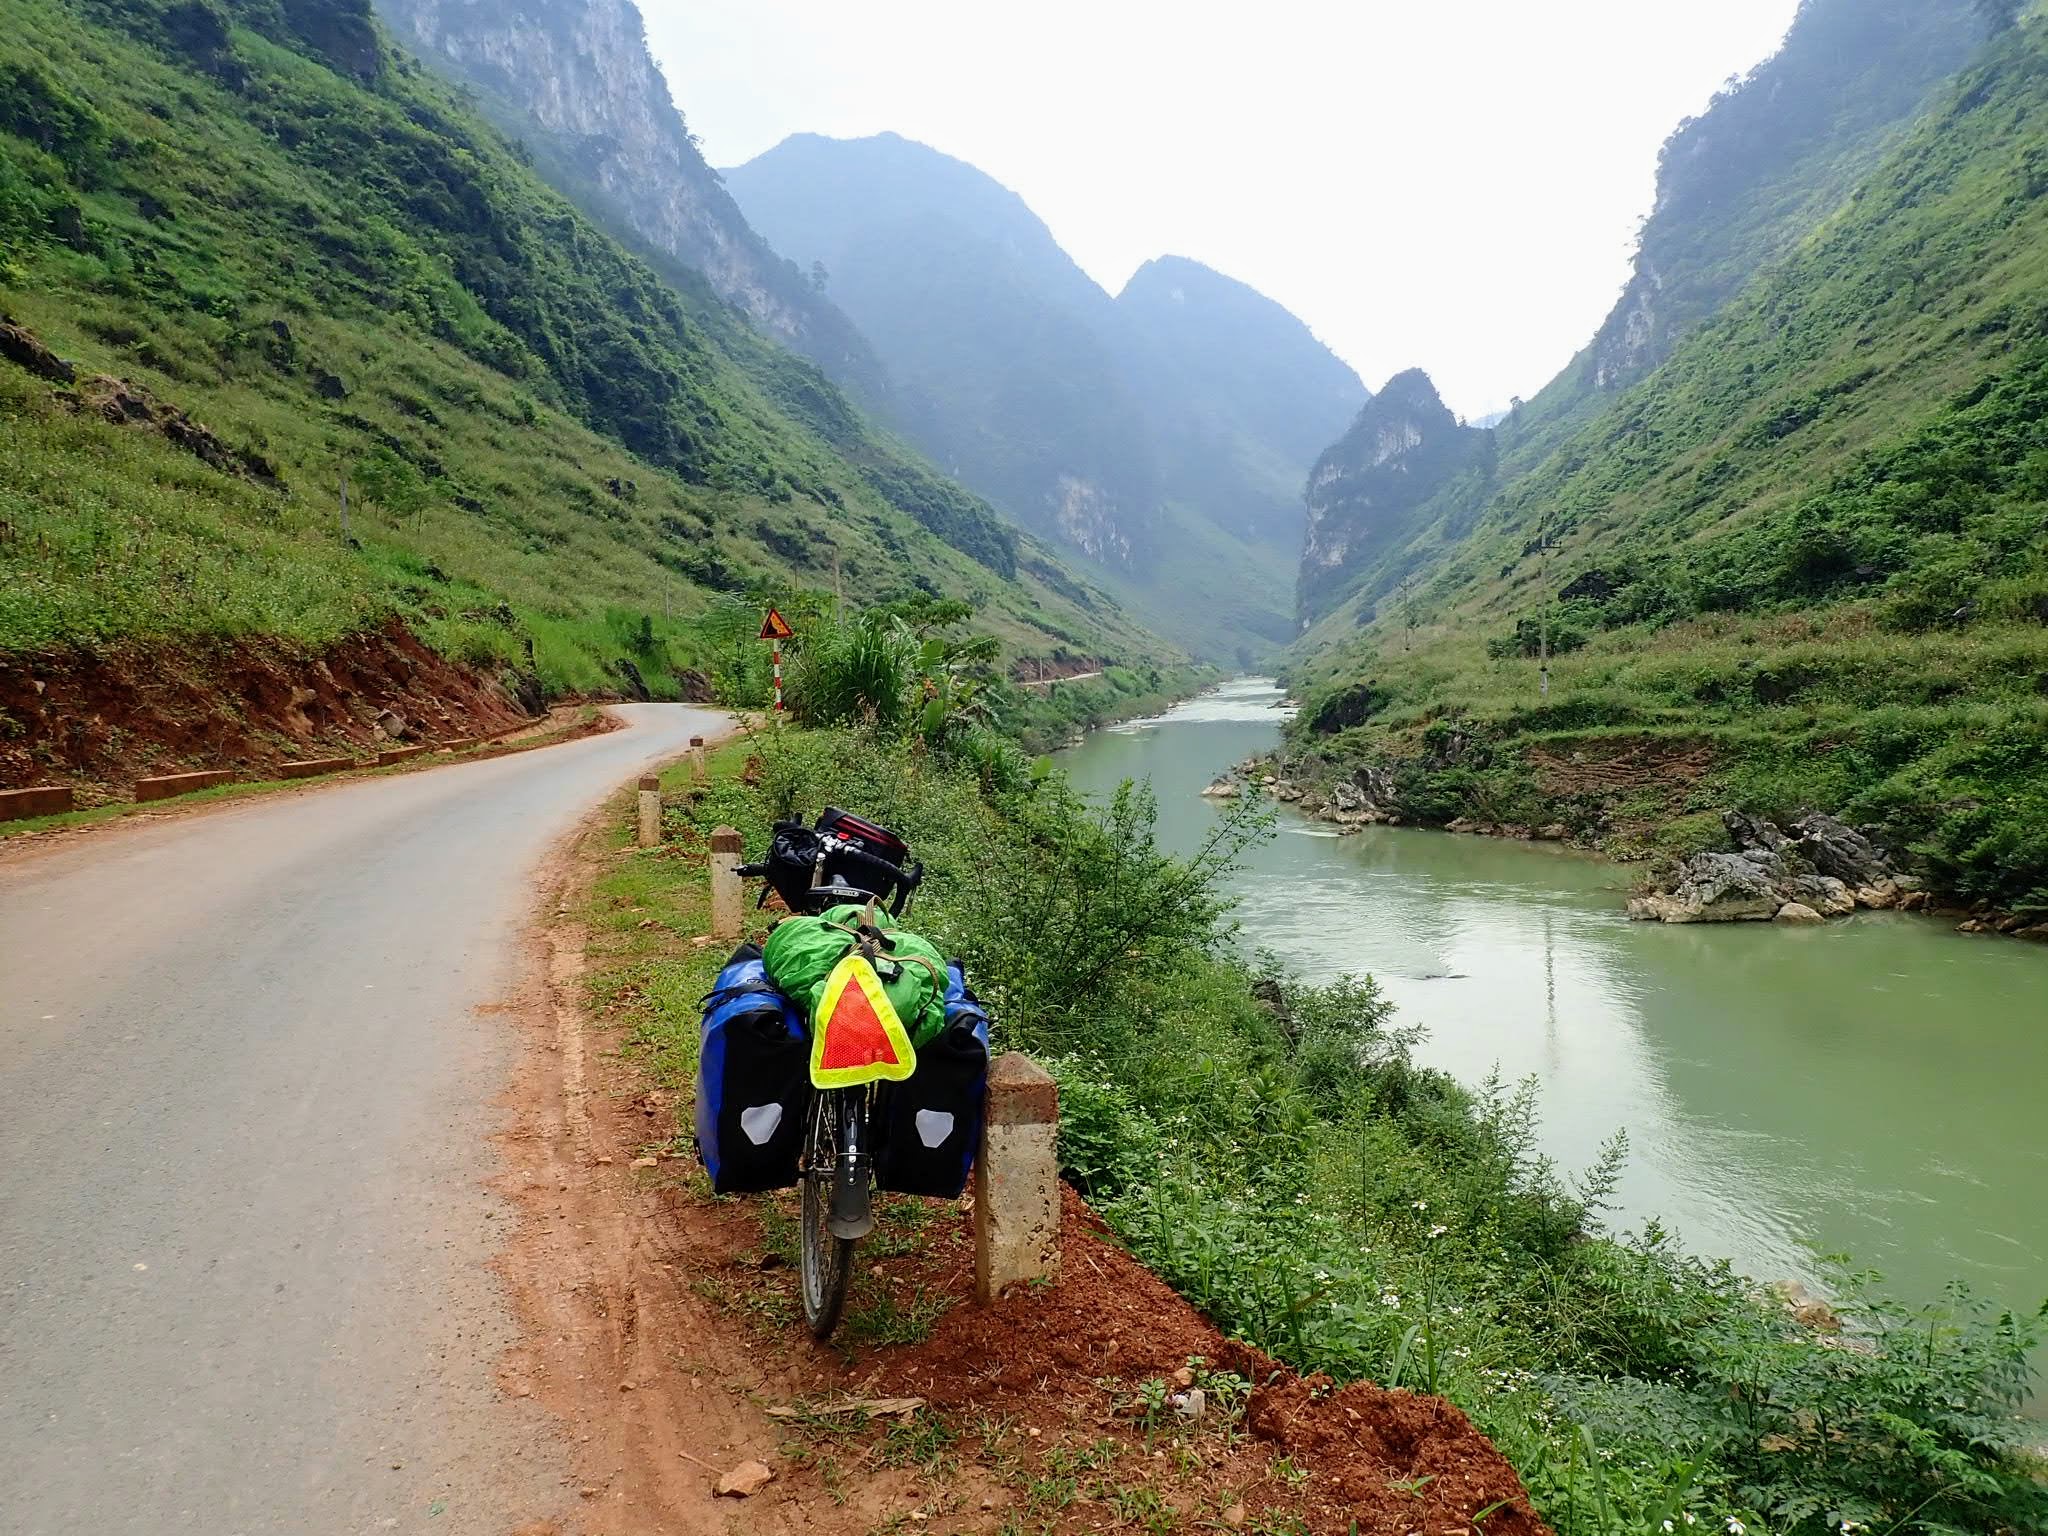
(1543, 615)
(344, 506)
(838, 592)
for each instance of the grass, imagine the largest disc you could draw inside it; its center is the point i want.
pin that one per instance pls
(1939, 740)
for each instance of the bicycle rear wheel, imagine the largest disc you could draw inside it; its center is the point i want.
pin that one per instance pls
(826, 1262)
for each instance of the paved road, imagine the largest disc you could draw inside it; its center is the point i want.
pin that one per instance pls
(244, 1096)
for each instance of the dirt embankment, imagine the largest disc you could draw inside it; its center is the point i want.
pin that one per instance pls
(662, 1330)
(101, 720)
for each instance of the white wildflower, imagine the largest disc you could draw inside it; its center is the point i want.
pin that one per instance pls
(1735, 1526)
(1390, 1300)
(1438, 1230)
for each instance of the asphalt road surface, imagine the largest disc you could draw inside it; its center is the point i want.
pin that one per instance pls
(245, 1091)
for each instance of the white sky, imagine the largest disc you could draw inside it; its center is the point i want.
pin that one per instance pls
(1453, 184)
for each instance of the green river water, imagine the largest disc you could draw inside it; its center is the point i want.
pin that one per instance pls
(1874, 1087)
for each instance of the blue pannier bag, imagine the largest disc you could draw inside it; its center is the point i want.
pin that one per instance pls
(753, 1081)
(929, 1125)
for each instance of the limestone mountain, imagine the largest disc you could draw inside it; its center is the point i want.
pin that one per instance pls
(1740, 187)
(1003, 348)
(1140, 432)
(574, 83)
(1369, 491)
(1241, 395)
(1775, 153)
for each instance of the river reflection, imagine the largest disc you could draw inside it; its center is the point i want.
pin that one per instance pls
(1873, 1086)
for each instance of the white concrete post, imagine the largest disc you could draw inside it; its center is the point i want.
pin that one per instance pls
(698, 767)
(650, 811)
(725, 883)
(1017, 1179)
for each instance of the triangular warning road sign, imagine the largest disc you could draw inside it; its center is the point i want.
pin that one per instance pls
(776, 627)
(856, 1036)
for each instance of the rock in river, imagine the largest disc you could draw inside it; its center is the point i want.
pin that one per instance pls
(1713, 888)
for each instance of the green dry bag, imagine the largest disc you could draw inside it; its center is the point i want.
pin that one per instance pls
(802, 951)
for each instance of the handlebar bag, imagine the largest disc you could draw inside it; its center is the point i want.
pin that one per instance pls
(928, 1127)
(753, 1081)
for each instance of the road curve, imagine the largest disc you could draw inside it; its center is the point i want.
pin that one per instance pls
(245, 1092)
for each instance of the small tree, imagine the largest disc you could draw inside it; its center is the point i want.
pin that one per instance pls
(819, 276)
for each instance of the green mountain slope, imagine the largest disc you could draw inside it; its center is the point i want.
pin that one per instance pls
(269, 221)
(1000, 345)
(1241, 396)
(574, 82)
(1814, 543)
(1738, 188)
(1136, 432)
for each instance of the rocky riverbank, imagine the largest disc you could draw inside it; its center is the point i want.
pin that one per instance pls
(1816, 869)
(1806, 872)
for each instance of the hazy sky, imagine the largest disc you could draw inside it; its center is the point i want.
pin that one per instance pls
(1449, 185)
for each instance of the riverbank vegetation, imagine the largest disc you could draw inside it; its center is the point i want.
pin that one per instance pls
(1934, 742)
(1274, 1152)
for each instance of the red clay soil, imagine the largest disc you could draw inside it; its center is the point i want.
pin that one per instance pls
(105, 719)
(1361, 1460)
(1606, 767)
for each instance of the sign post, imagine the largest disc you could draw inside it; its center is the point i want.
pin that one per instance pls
(775, 628)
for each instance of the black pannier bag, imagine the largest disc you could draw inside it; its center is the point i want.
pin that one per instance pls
(928, 1127)
(753, 1081)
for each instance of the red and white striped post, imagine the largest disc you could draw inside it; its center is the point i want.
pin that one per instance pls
(775, 628)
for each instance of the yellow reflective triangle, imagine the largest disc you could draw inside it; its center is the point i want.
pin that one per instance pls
(856, 1036)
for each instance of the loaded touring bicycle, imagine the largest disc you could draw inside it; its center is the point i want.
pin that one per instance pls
(843, 1056)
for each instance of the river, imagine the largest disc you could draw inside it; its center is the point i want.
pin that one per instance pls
(1873, 1087)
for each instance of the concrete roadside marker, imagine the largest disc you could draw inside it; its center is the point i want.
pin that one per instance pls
(313, 767)
(698, 768)
(725, 883)
(650, 810)
(42, 800)
(172, 784)
(1017, 1179)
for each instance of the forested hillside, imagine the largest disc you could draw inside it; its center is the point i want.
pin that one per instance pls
(1809, 552)
(266, 220)
(1738, 187)
(573, 82)
(1077, 414)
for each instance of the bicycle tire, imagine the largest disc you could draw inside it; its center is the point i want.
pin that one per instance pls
(825, 1262)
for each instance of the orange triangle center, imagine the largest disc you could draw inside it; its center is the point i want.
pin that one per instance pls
(854, 1036)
